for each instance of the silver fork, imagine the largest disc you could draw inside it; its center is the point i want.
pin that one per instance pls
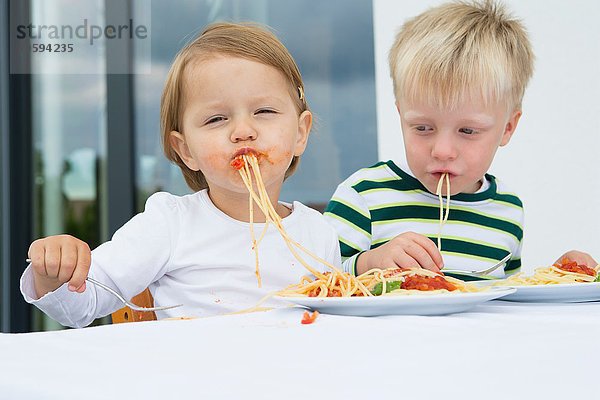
(125, 302)
(480, 272)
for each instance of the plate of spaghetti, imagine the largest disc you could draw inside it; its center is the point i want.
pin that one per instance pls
(377, 292)
(393, 291)
(565, 281)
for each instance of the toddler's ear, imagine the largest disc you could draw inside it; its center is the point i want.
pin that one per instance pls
(510, 127)
(304, 125)
(179, 145)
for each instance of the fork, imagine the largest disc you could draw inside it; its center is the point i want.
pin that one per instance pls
(125, 302)
(480, 272)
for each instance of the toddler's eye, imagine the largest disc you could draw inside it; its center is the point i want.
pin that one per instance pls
(422, 128)
(467, 131)
(266, 111)
(216, 118)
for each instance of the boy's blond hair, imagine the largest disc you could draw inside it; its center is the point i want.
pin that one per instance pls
(462, 49)
(248, 41)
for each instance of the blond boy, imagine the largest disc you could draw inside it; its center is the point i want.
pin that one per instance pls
(459, 71)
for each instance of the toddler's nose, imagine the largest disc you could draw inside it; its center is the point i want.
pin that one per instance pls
(243, 132)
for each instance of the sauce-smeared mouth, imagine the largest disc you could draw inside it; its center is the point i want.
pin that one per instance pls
(246, 151)
(238, 162)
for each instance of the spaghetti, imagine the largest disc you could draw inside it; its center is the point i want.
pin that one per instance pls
(443, 216)
(335, 283)
(387, 282)
(247, 166)
(563, 271)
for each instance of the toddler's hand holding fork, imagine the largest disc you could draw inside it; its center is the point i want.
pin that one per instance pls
(58, 259)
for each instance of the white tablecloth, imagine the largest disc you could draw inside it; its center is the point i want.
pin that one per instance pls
(498, 350)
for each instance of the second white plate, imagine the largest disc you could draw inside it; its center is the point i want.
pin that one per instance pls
(560, 293)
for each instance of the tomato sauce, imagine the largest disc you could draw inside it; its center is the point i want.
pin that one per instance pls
(237, 163)
(571, 266)
(426, 283)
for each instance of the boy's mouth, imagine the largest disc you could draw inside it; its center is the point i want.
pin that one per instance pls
(438, 174)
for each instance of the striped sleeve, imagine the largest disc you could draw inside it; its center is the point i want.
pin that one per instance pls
(349, 214)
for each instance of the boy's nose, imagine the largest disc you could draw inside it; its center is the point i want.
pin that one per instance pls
(444, 147)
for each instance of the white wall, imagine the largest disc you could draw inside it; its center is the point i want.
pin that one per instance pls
(552, 161)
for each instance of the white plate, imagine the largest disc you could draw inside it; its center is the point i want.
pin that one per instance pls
(422, 304)
(560, 293)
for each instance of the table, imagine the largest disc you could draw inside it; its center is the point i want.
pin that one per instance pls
(497, 350)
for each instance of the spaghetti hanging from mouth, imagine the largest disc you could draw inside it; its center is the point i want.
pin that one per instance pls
(443, 216)
(248, 167)
(336, 283)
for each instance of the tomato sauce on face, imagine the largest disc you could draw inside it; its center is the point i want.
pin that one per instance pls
(426, 283)
(571, 266)
(237, 163)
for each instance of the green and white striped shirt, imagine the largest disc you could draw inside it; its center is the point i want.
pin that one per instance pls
(376, 204)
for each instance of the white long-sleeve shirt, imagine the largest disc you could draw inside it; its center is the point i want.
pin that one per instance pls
(189, 252)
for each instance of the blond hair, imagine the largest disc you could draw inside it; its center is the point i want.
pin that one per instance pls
(248, 41)
(462, 49)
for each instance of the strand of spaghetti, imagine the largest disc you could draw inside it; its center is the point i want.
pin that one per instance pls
(438, 192)
(245, 173)
(254, 244)
(277, 219)
(271, 215)
(447, 198)
(263, 201)
(257, 307)
(263, 192)
(279, 225)
(250, 199)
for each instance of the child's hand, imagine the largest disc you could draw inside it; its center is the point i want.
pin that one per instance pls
(408, 250)
(59, 259)
(580, 257)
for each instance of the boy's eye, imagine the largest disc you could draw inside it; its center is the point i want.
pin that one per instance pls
(422, 128)
(467, 131)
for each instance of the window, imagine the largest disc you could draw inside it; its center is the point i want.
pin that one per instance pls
(68, 115)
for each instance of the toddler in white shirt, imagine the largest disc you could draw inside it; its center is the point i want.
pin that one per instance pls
(235, 89)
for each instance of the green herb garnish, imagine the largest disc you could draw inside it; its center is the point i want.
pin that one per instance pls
(390, 286)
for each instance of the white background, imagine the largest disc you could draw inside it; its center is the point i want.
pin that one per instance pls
(552, 161)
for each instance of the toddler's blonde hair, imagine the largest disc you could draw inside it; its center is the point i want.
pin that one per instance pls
(249, 41)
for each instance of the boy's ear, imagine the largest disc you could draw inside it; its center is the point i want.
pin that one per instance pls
(304, 125)
(509, 128)
(177, 142)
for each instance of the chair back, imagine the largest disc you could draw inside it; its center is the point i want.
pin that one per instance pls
(126, 314)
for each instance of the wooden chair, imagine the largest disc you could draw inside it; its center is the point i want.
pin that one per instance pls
(126, 314)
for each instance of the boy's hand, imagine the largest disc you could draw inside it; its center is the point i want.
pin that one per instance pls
(408, 250)
(580, 257)
(59, 259)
